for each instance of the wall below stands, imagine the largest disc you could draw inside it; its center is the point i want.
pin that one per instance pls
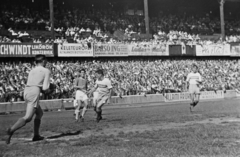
(117, 101)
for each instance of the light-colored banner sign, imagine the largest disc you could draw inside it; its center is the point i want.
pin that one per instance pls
(75, 50)
(110, 50)
(148, 50)
(25, 50)
(213, 50)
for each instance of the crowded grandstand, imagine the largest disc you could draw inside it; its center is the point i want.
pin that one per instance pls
(93, 29)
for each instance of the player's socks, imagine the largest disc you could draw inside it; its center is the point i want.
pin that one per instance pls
(100, 113)
(99, 116)
(195, 103)
(9, 133)
(37, 138)
(37, 123)
(191, 105)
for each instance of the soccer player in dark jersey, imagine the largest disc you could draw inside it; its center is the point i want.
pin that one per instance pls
(38, 81)
(80, 84)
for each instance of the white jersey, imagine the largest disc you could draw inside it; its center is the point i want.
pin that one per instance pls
(104, 86)
(192, 78)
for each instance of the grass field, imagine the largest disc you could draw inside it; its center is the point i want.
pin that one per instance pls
(213, 129)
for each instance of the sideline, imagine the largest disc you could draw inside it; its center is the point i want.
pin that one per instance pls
(161, 103)
(123, 106)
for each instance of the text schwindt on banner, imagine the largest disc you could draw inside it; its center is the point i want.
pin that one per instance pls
(25, 50)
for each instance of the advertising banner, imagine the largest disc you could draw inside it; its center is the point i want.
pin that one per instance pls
(235, 50)
(172, 97)
(213, 50)
(230, 94)
(175, 50)
(75, 50)
(190, 50)
(25, 50)
(110, 50)
(212, 95)
(148, 50)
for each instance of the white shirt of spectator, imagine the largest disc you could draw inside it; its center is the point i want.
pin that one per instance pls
(103, 86)
(192, 78)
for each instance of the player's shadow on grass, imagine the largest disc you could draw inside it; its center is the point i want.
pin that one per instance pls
(196, 112)
(65, 134)
(115, 120)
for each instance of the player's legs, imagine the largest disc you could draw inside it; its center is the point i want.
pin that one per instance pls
(95, 100)
(196, 99)
(94, 104)
(78, 105)
(84, 110)
(77, 110)
(192, 100)
(99, 112)
(191, 95)
(21, 121)
(99, 106)
(196, 95)
(37, 123)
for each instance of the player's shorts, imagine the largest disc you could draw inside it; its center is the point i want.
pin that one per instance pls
(75, 103)
(194, 89)
(95, 95)
(81, 96)
(102, 99)
(31, 96)
(95, 98)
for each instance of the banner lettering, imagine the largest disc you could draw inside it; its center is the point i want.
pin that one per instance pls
(75, 50)
(172, 97)
(235, 50)
(213, 50)
(148, 50)
(25, 50)
(110, 50)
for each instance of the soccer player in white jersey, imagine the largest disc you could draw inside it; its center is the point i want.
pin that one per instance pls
(194, 79)
(38, 81)
(103, 88)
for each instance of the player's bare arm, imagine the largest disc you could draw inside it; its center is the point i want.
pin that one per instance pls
(46, 82)
(110, 95)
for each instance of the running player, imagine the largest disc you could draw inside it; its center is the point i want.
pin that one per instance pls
(38, 80)
(104, 89)
(80, 85)
(194, 79)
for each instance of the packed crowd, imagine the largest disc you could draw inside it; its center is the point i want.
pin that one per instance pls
(75, 25)
(129, 77)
